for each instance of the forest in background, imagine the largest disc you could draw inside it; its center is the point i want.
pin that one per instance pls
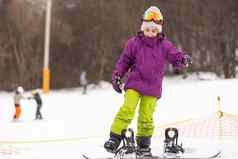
(90, 34)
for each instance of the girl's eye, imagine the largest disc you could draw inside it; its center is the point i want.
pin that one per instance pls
(154, 31)
(147, 30)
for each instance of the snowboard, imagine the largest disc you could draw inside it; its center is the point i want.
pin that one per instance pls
(182, 156)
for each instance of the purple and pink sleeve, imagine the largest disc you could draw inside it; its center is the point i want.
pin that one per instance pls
(125, 60)
(174, 56)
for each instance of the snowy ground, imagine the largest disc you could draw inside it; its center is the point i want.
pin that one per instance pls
(75, 123)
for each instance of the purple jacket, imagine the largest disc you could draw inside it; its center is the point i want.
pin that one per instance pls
(145, 61)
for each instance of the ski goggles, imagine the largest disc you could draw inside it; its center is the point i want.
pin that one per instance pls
(152, 16)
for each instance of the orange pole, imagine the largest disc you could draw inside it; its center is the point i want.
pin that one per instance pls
(46, 71)
(46, 80)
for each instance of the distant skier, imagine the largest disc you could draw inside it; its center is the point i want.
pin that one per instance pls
(18, 96)
(84, 81)
(36, 96)
(144, 60)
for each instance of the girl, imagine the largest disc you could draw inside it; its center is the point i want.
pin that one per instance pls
(144, 60)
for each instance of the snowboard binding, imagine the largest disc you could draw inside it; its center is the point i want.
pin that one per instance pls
(171, 142)
(128, 148)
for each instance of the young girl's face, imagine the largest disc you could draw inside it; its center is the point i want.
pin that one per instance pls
(151, 32)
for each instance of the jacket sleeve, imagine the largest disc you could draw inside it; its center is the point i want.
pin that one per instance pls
(174, 56)
(126, 59)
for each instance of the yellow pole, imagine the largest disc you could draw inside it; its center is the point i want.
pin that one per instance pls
(219, 113)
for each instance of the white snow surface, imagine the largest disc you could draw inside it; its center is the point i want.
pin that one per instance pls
(76, 124)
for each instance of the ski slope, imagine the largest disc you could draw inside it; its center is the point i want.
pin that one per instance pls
(75, 123)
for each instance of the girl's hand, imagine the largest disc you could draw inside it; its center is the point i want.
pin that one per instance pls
(117, 84)
(186, 60)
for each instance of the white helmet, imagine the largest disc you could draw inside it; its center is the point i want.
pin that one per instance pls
(20, 89)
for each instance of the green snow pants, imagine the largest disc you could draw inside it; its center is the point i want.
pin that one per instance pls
(145, 123)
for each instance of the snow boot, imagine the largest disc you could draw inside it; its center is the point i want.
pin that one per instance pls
(143, 149)
(113, 143)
